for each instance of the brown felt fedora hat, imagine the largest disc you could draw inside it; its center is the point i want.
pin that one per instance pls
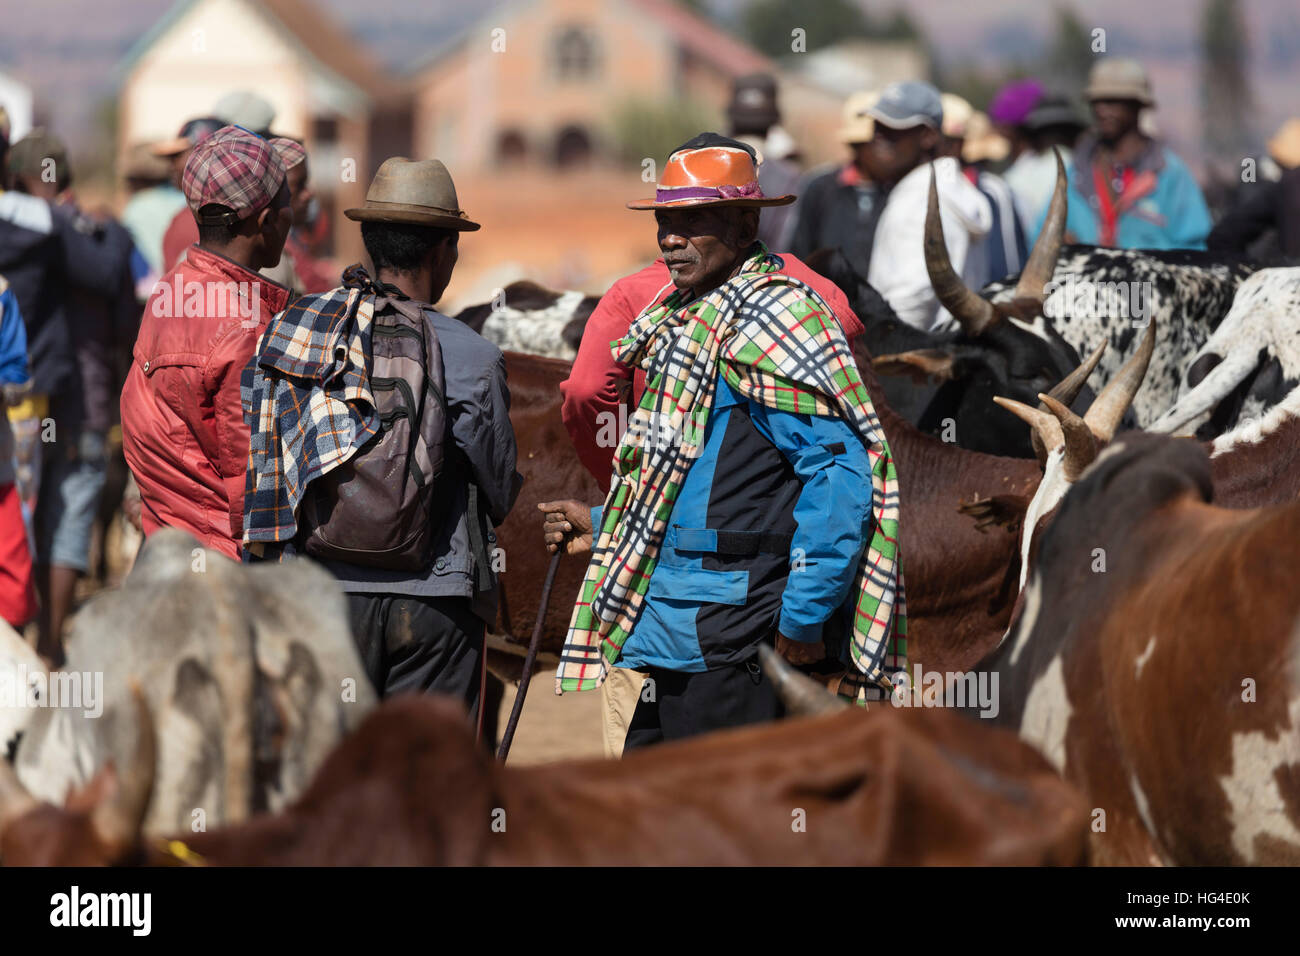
(415, 193)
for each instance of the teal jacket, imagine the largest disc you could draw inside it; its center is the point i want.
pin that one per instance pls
(1170, 215)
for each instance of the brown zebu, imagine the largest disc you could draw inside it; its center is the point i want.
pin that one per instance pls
(410, 788)
(1166, 681)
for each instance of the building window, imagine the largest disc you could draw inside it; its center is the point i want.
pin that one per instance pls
(572, 148)
(325, 129)
(575, 54)
(511, 147)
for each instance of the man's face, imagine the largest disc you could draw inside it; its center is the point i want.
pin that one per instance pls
(702, 245)
(1114, 118)
(300, 192)
(896, 152)
(864, 159)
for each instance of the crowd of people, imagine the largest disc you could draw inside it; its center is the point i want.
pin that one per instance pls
(274, 408)
(76, 281)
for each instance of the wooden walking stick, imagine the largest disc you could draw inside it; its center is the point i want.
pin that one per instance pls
(531, 658)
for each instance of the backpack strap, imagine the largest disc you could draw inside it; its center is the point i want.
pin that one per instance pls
(478, 547)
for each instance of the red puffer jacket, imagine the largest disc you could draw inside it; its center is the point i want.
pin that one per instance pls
(183, 430)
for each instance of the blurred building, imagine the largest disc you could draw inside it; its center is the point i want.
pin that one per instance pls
(16, 98)
(325, 90)
(540, 80)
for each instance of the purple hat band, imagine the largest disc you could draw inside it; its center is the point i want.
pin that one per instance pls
(674, 193)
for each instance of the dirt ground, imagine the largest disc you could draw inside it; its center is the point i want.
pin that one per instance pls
(553, 728)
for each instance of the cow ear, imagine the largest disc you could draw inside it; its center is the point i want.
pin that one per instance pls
(919, 364)
(1006, 511)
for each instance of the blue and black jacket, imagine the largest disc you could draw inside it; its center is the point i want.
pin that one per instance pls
(765, 534)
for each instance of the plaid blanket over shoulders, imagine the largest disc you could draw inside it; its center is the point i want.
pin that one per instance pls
(777, 342)
(307, 401)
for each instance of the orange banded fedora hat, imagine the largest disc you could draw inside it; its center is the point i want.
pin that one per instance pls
(709, 175)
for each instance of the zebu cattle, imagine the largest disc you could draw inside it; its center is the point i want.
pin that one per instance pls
(551, 470)
(1256, 464)
(1004, 347)
(409, 787)
(1072, 298)
(1167, 687)
(533, 319)
(251, 670)
(1249, 364)
(1187, 294)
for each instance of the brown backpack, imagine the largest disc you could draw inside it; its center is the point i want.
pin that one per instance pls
(376, 509)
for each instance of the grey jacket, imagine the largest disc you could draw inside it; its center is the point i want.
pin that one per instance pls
(481, 467)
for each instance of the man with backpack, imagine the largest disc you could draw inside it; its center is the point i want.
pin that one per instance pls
(382, 445)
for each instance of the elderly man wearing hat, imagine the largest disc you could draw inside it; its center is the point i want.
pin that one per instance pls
(419, 622)
(1126, 189)
(752, 500)
(183, 429)
(601, 391)
(838, 209)
(908, 118)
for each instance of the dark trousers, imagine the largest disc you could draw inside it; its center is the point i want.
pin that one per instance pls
(420, 644)
(681, 705)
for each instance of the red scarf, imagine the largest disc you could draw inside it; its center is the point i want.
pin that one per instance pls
(1133, 187)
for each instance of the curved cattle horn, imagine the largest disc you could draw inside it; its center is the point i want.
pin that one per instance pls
(802, 696)
(1066, 391)
(1068, 388)
(118, 821)
(974, 313)
(1042, 258)
(1046, 429)
(1080, 443)
(1109, 407)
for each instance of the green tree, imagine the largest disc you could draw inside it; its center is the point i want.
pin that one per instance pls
(1226, 103)
(1070, 56)
(648, 129)
(768, 24)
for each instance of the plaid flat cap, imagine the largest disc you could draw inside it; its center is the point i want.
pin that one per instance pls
(291, 151)
(232, 169)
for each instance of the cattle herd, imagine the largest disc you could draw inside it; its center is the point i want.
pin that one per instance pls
(1126, 594)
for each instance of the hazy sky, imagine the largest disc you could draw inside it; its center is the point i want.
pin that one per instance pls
(68, 49)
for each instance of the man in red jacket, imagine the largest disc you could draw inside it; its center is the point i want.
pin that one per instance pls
(183, 430)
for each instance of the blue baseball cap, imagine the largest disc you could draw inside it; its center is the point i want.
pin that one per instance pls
(908, 104)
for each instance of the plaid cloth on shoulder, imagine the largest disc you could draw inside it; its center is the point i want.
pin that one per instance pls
(307, 402)
(777, 343)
